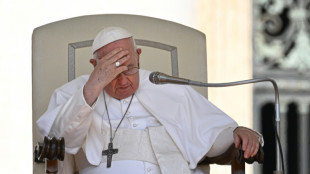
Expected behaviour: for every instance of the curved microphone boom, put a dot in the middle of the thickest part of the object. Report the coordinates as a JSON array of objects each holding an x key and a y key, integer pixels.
[{"x": 161, "y": 78}]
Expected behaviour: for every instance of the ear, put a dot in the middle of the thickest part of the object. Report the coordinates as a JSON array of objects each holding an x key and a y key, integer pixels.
[
  {"x": 93, "y": 62},
  {"x": 139, "y": 51}
]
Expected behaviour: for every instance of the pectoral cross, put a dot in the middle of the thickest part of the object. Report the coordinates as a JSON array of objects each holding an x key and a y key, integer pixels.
[{"x": 109, "y": 152}]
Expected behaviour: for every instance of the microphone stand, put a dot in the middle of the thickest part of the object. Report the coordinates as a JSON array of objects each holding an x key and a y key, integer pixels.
[
  {"x": 277, "y": 108},
  {"x": 160, "y": 78}
]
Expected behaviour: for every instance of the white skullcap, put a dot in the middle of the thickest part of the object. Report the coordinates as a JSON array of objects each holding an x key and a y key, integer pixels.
[{"x": 108, "y": 35}]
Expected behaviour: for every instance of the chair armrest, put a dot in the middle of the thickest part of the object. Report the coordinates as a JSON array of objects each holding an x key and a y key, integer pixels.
[
  {"x": 50, "y": 151},
  {"x": 233, "y": 153}
]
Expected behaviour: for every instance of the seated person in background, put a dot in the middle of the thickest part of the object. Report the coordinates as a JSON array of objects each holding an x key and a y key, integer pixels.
[{"x": 116, "y": 121}]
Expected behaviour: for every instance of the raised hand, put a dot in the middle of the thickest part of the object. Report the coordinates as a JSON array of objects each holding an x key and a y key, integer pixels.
[{"x": 105, "y": 70}]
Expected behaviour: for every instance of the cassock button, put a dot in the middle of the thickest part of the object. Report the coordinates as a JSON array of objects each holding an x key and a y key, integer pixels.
[
  {"x": 135, "y": 125},
  {"x": 149, "y": 169}
]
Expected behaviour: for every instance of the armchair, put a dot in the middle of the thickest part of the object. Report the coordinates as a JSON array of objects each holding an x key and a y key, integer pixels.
[{"x": 65, "y": 46}]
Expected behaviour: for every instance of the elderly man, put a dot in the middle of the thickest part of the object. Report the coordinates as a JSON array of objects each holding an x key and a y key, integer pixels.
[{"x": 116, "y": 121}]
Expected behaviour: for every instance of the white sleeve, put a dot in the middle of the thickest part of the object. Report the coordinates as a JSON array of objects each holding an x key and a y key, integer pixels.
[
  {"x": 70, "y": 119},
  {"x": 222, "y": 142}
]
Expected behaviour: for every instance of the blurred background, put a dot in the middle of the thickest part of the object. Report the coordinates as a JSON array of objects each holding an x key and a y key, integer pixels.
[{"x": 245, "y": 39}]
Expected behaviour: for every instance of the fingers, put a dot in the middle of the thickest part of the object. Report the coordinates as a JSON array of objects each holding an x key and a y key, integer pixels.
[
  {"x": 251, "y": 149},
  {"x": 237, "y": 140},
  {"x": 108, "y": 62},
  {"x": 121, "y": 60},
  {"x": 246, "y": 147},
  {"x": 255, "y": 149},
  {"x": 111, "y": 54},
  {"x": 119, "y": 70},
  {"x": 105, "y": 68},
  {"x": 249, "y": 139},
  {"x": 114, "y": 56}
]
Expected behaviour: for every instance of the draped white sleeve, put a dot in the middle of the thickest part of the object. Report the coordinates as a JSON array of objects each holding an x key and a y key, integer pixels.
[{"x": 68, "y": 115}]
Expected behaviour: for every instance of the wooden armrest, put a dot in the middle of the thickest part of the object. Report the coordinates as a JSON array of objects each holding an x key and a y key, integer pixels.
[
  {"x": 235, "y": 157},
  {"x": 50, "y": 151},
  {"x": 234, "y": 154}
]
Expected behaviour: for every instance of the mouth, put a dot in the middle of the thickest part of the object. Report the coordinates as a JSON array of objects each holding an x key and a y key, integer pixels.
[{"x": 124, "y": 87}]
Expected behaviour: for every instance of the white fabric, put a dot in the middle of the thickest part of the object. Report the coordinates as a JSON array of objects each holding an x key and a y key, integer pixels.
[
  {"x": 108, "y": 35},
  {"x": 221, "y": 143},
  {"x": 191, "y": 120},
  {"x": 131, "y": 144},
  {"x": 125, "y": 166},
  {"x": 137, "y": 116},
  {"x": 137, "y": 122},
  {"x": 168, "y": 156},
  {"x": 136, "y": 145},
  {"x": 122, "y": 166}
]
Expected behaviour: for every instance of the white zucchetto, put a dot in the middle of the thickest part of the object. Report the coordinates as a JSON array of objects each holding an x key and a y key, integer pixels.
[{"x": 108, "y": 35}]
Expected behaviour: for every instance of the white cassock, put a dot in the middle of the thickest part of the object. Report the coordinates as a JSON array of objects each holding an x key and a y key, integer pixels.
[{"x": 191, "y": 122}]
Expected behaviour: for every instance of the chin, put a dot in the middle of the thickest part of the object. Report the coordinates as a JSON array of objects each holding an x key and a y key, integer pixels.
[{"x": 124, "y": 95}]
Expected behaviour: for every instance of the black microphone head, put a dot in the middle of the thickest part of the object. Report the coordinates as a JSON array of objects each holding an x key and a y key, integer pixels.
[
  {"x": 154, "y": 77},
  {"x": 161, "y": 78}
]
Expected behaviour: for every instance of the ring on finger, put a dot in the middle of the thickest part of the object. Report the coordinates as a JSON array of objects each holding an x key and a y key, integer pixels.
[{"x": 117, "y": 64}]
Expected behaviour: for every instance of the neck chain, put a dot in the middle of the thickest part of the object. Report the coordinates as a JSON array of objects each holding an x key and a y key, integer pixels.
[{"x": 110, "y": 151}]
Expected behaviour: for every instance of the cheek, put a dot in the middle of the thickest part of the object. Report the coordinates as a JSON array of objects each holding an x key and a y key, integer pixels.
[
  {"x": 110, "y": 87},
  {"x": 135, "y": 82}
]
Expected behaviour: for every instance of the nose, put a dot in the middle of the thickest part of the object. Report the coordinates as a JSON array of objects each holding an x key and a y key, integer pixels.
[{"x": 122, "y": 79}]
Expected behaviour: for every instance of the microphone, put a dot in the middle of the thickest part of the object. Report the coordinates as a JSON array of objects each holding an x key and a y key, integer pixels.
[{"x": 161, "y": 78}]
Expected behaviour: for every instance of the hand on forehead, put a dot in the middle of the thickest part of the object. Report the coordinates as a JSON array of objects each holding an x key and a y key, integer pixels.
[{"x": 115, "y": 53}]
